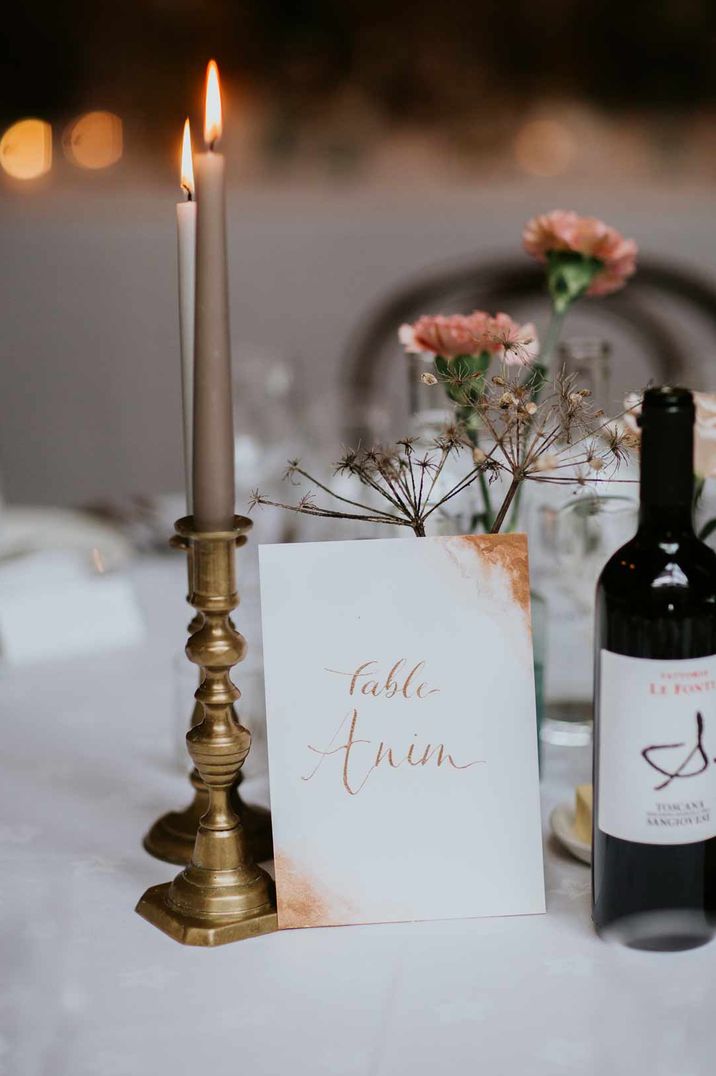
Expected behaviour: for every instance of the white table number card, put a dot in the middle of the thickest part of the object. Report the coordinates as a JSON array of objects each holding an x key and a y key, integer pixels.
[{"x": 401, "y": 730}]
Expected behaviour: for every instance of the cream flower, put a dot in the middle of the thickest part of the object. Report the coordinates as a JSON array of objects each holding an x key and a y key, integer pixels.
[
  {"x": 704, "y": 429},
  {"x": 705, "y": 435},
  {"x": 632, "y": 411}
]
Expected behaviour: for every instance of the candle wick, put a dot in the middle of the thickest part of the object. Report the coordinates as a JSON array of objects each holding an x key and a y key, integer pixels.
[
  {"x": 187, "y": 192},
  {"x": 212, "y": 145}
]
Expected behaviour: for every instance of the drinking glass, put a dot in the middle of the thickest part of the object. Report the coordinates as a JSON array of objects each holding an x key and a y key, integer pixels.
[{"x": 587, "y": 531}]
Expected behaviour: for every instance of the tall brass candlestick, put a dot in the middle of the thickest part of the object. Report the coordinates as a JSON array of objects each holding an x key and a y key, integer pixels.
[
  {"x": 222, "y": 896},
  {"x": 173, "y": 835},
  {"x": 213, "y": 441}
]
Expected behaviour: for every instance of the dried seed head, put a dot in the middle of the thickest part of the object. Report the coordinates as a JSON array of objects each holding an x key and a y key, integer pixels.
[
  {"x": 596, "y": 464},
  {"x": 478, "y": 456},
  {"x": 530, "y": 408},
  {"x": 575, "y": 398},
  {"x": 585, "y": 392},
  {"x": 546, "y": 463},
  {"x": 506, "y": 399},
  {"x": 499, "y": 381},
  {"x": 428, "y": 379}
]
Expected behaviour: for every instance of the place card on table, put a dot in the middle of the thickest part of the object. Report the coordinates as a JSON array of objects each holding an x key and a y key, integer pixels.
[
  {"x": 54, "y": 607},
  {"x": 401, "y": 729}
]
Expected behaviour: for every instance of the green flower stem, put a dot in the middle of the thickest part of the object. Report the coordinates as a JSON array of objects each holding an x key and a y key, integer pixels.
[
  {"x": 487, "y": 514},
  {"x": 467, "y": 417},
  {"x": 554, "y": 331}
]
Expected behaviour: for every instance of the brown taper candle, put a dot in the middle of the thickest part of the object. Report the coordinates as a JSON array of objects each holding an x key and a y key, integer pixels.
[{"x": 213, "y": 441}]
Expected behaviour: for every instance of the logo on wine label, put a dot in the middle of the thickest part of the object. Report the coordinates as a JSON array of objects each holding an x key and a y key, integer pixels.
[
  {"x": 656, "y": 772},
  {"x": 685, "y": 769}
]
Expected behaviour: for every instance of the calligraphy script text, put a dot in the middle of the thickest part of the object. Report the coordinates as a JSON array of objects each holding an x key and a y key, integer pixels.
[{"x": 361, "y": 757}]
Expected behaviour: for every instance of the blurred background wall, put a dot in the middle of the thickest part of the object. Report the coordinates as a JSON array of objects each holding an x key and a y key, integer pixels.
[{"x": 369, "y": 144}]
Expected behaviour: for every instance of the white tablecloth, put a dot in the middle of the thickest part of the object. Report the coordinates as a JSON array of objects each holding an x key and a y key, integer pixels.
[{"x": 87, "y": 763}]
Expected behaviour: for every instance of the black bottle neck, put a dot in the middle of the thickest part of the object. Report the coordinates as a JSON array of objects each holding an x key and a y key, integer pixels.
[
  {"x": 665, "y": 523},
  {"x": 667, "y": 472}
]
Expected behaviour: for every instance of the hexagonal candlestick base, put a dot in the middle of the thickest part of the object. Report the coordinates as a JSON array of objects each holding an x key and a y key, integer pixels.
[{"x": 193, "y": 931}]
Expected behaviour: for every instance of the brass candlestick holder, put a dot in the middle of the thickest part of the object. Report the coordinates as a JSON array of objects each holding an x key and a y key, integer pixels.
[
  {"x": 221, "y": 896},
  {"x": 172, "y": 836}
]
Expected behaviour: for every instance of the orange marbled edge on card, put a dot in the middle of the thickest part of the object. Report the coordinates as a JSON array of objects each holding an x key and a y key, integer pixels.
[
  {"x": 301, "y": 900},
  {"x": 509, "y": 552}
]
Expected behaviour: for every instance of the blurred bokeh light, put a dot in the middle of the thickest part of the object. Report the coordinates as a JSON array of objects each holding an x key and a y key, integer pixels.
[
  {"x": 26, "y": 149},
  {"x": 544, "y": 148},
  {"x": 94, "y": 140}
]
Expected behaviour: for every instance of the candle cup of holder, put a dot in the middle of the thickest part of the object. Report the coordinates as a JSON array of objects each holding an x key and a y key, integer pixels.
[
  {"x": 172, "y": 836},
  {"x": 221, "y": 896}
]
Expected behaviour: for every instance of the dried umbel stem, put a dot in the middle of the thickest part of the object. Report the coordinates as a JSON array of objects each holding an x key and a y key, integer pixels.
[
  {"x": 545, "y": 433},
  {"x": 549, "y": 433},
  {"x": 401, "y": 482}
]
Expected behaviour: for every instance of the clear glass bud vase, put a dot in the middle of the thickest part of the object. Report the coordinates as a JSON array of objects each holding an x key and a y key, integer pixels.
[{"x": 589, "y": 359}]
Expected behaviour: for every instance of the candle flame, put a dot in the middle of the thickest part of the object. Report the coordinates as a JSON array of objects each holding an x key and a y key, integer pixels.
[
  {"x": 212, "y": 115},
  {"x": 187, "y": 163}
]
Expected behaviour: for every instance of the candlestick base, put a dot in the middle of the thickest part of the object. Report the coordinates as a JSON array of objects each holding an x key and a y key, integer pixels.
[
  {"x": 157, "y": 910},
  {"x": 221, "y": 896},
  {"x": 172, "y": 836}
]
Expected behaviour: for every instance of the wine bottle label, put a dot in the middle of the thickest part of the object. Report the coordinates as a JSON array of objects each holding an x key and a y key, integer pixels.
[{"x": 656, "y": 779}]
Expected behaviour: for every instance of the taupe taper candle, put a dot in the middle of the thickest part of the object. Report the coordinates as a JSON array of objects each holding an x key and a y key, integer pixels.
[
  {"x": 213, "y": 447},
  {"x": 186, "y": 257}
]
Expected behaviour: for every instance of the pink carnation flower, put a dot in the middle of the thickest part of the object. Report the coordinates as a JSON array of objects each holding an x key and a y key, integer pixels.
[
  {"x": 565, "y": 230},
  {"x": 446, "y": 336},
  {"x": 471, "y": 334}
]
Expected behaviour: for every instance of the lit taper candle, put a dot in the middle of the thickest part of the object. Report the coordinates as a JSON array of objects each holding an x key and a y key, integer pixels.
[
  {"x": 186, "y": 260},
  {"x": 213, "y": 442}
]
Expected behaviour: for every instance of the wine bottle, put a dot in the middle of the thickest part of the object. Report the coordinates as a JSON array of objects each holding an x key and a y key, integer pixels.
[{"x": 654, "y": 840}]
